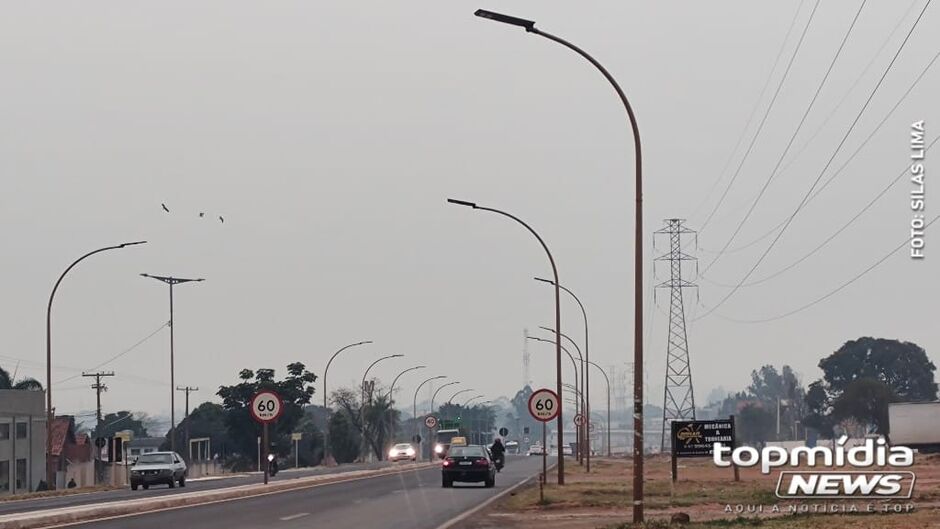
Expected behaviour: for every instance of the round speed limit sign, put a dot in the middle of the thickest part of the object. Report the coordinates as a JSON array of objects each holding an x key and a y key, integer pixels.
[
  {"x": 544, "y": 405},
  {"x": 430, "y": 421},
  {"x": 266, "y": 406}
]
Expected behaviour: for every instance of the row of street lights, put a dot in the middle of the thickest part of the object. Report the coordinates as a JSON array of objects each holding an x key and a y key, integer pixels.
[{"x": 529, "y": 27}]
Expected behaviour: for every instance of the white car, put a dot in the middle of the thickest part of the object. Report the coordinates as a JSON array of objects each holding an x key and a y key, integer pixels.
[
  {"x": 402, "y": 451},
  {"x": 536, "y": 450},
  {"x": 158, "y": 468}
]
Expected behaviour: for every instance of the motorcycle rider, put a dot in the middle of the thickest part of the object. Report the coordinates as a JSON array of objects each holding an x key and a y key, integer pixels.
[{"x": 498, "y": 451}]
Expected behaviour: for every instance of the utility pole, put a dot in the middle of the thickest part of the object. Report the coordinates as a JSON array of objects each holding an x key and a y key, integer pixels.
[
  {"x": 678, "y": 397},
  {"x": 98, "y": 387},
  {"x": 187, "y": 390},
  {"x": 172, "y": 281}
]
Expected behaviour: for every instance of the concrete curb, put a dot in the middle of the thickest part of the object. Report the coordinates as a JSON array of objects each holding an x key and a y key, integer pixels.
[
  {"x": 468, "y": 513},
  {"x": 86, "y": 513}
]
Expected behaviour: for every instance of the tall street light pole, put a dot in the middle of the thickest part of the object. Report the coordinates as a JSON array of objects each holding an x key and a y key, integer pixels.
[
  {"x": 414, "y": 403},
  {"x": 172, "y": 281},
  {"x": 391, "y": 397},
  {"x": 551, "y": 260},
  {"x": 362, "y": 386},
  {"x": 584, "y": 447},
  {"x": 587, "y": 358},
  {"x": 326, "y": 437},
  {"x": 50, "y": 415},
  {"x": 638, "y": 255},
  {"x": 606, "y": 379}
]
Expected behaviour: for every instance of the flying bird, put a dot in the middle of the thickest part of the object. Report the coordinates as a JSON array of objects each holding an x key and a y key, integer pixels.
[
  {"x": 221, "y": 219},
  {"x": 162, "y": 205}
]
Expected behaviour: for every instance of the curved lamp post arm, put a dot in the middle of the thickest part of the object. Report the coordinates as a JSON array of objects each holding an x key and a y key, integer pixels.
[
  {"x": 392, "y": 387},
  {"x": 414, "y": 404},
  {"x": 364, "y": 375},
  {"x": 50, "y": 471},
  {"x": 451, "y": 399},
  {"x": 574, "y": 363},
  {"x": 438, "y": 390},
  {"x": 325, "y": 370},
  {"x": 471, "y": 399}
]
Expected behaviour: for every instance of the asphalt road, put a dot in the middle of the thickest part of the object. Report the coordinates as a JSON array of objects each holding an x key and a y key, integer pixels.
[
  {"x": 10, "y": 507},
  {"x": 413, "y": 499}
]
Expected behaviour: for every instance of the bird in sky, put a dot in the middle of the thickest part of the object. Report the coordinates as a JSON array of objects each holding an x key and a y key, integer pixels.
[
  {"x": 164, "y": 207},
  {"x": 221, "y": 219}
]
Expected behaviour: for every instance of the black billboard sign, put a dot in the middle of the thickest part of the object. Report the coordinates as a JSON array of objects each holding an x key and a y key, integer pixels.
[{"x": 698, "y": 438}]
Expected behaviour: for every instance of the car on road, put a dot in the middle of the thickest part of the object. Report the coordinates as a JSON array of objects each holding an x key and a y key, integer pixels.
[
  {"x": 512, "y": 447},
  {"x": 158, "y": 468},
  {"x": 536, "y": 450},
  {"x": 470, "y": 464},
  {"x": 402, "y": 451},
  {"x": 567, "y": 450}
]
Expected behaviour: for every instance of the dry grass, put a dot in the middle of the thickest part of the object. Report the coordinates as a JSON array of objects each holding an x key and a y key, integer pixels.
[{"x": 603, "y": 499}]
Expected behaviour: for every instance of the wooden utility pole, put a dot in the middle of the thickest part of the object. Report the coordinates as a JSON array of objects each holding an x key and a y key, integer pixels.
[
  {"x": 98, "y": 387},
  {"x": 187, "y": 390}
]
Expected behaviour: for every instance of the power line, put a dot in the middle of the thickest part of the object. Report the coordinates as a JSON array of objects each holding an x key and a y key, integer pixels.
[
  {"x": 122, "y": 353},
  {"x": 819, "y": 177},
  {"x": 750, "y": 119},
  {"x": 850, "y": 157},
  {"x": 796, "y": 132},
  {"x": 763, "y": 120},
  {"x": 837, "y": 289},
  {"x": 831, "y": 178}
]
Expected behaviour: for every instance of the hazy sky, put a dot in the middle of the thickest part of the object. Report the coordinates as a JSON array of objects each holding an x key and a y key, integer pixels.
[{"x": 328, "y": 134}]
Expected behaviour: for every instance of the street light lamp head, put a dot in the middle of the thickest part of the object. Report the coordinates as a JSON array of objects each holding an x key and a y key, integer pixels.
[
  {"x": 132, "y": 244},
  {"x": 462, "y": 203},
  {"x": 549, "y": 281},
  {"x": 529, "y": 25}
]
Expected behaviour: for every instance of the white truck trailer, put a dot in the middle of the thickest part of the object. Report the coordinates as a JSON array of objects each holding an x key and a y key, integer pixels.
[{"x": 915, "y": 425}]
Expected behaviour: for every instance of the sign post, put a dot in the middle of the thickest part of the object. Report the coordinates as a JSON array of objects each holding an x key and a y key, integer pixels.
[
  {"x": 698, "y": 438},
  {"x": 544, "y": 406},
  {"x": 265, "y": 407}
]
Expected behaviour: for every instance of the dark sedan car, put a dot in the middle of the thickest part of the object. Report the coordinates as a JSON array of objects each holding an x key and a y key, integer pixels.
[{"x": 469, "y": 463}]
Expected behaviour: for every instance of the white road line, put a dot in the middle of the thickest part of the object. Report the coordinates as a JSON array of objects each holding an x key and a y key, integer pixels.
[{"x": 294, "y": 516}]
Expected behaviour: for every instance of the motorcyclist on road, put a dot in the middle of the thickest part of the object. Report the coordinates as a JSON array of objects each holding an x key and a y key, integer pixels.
[{"x": 498, "y": 451}]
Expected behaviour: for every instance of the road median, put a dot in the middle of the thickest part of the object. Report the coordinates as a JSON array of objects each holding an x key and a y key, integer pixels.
[{"x": 85, "y": 513}]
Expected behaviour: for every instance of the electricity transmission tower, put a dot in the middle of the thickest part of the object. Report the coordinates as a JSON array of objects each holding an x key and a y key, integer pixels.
[{"x": 678, "y": 398}]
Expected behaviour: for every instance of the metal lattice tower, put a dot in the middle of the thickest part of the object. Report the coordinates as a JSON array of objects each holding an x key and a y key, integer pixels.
[{"x": 678, "y": 398}]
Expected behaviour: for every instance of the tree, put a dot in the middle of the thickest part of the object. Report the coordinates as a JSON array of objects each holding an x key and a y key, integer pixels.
[
  {"x": 865, "y": 400},
  {"x": 206, "y": 420},
  {"x": 27, "y": 383},
  {"x": 112, "y": 423},
  {"x": 818, "y": 409},
  {"x": 374, "y": 419},
  {"x": 344, "y": 439},
  {"x": 902, "y": 366},
  {"x": 754, "y": 424},
  {"x": 295, "y": 390}
]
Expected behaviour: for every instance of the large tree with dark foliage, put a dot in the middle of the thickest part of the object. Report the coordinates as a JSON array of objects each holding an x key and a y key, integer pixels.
[
  {"x": 206, "y": 420},
  {"x": 27, "y": 383},
  {"x": 863, "y": 377},
  {"x": 295, "y": 390},
  {"x": 902, "y": 366}
]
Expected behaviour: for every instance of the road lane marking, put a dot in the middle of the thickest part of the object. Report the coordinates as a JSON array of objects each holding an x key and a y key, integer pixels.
[
  {"x": 294, "y": 516},
  {"x": 416, "y": 470}
]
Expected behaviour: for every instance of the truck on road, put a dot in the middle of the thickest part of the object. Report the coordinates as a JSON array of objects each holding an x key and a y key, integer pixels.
[{"x": 915, "y": 425}]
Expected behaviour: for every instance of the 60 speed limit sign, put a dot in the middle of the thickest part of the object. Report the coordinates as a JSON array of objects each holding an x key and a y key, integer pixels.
[
  {"x": 544, "y": 405},
  {"x": 266, "y": 406}
]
